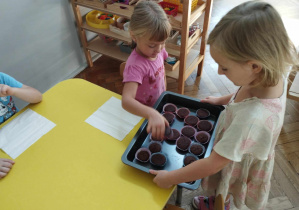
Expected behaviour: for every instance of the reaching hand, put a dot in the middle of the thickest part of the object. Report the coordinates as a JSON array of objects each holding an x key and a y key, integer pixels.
[
  {"x": 212, "y": 100},
  {"x": 156, "y": 125},
  {"x": 5, "y": 90},
  {"x": 5, "y": 166},
  {"x": 161, "y": 178}
]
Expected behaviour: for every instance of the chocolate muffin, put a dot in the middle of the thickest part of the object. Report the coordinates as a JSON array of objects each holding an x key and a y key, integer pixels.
[
  {"x": 204, "y": 125},
  {"x": 188, "y": 131},
  {"x": 191, "y": 120},
  {"x": 168, "y": 132},
  {"x": 143, "y": 155},
  {"x": 189, "y": 159},
  {"x": 155, "y": 146},
  {"x": 202, "y": 137},
  {"x": 196, "y": 149},
  {"x": 175, "y": 135},
  {"x": 183, "y": 143},
  {"x": 169, "y": 117},
  {"x": 154, "y": 139},
  {"x": 158, "y": 159},
  {"x": 202, "y": 113},
  {"x": 169, "y": 108},
  {"x": 182, "y": 112}
]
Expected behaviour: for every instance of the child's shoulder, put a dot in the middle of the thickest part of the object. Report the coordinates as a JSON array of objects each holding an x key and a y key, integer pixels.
[
  {"x": 9, "y": 80},
  {"x": 4, "y": 77}
]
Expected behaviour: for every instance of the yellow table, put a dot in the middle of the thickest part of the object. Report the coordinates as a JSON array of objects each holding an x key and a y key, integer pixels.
[{"x": 76, "y": 166}]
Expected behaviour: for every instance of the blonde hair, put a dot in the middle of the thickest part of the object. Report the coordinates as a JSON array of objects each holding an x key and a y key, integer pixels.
[
  {"x": 255, "y": 31},
  {"x": 149, "y": 19}
]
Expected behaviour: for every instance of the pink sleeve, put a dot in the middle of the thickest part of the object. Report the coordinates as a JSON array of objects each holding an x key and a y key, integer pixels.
[
  {"x": 165, "y": 54},
  {"x": 133, "y": 74}
]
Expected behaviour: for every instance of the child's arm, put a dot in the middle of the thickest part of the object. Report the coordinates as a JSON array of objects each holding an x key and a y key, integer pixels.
[
  {"x": 223, "y": 100},
  {"x": 196, "y": 170},
  {"x": 5, "y": 166},
  {"x": 156, "y": 122},
  {"x": 26, "y": 93}
]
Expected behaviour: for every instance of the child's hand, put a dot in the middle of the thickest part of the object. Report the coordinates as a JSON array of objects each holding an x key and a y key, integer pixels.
[
  {"x": 161, "y": 178},
  {"x": 5, "y": 90},
  {"x": 212, "y": 100},
  {"x": 156, "y": 125},
  {"x": 5, "y": 166}
]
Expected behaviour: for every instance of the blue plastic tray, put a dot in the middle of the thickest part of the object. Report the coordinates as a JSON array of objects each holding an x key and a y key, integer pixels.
[{"x": 174, "y": 156}]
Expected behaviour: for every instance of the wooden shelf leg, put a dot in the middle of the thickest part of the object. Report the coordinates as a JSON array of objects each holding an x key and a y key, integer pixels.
[
  {"x": 81, "y": 33},
  {"x": 206, "y": 23}
]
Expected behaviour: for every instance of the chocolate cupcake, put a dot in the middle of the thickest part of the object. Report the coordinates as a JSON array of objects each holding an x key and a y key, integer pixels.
[
  {"x": 154, "y": 139},
  {"x": 168, "y": 132},
  {"x": 202, "y": 137},
  {"x": 183, "y": 143},
  {"x": 203, "y": 113},
  {"x": 155, "y": 146},
  {"x": 204, "y": 125},
  {"x": 169, "y": 117},
  {"x": 158, "y": 159},
  {"x": 196, "y": 149},
  {"x": 175, "y": 135},
  {"x": 189, "y": 158},
  {"x": 169, "y": 107},
  {"x": 183, "y": 112},
  {"x": 191, "y": 120},
  {"x": 188, "y": 131},
  {"x": 143, "y": 155}
]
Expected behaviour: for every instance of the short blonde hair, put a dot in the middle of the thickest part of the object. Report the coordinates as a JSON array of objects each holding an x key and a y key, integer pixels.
[
  {"x": 255, "y": 31},
  {"x": 149, "y": 19}
]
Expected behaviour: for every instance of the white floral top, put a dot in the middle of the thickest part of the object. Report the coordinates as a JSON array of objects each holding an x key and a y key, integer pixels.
[{"x": 246, "y": 134}]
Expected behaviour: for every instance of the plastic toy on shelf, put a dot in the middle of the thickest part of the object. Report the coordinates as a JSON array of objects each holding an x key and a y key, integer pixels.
[
  {"x": 170, "y": 9},
  {"x": 98, "y": 19},
  {"x": 180, "y": 5}
]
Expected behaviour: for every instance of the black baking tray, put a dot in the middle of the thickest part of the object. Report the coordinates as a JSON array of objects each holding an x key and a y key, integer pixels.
[{"x": 174, "y": 156}]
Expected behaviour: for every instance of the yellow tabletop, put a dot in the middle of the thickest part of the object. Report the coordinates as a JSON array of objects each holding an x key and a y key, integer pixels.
[{"x": 76, "y": 166}]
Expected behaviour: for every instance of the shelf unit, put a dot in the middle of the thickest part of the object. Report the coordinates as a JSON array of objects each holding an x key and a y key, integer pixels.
[{"x": 189, "y": 55}]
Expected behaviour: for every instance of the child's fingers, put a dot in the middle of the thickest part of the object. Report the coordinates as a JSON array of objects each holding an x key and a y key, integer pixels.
[
  {"x": 2, "y": 174},
  {"x": 5, "y": 169},
  {"x": 4, "y": 89},
  {"x": 154, "y": 172},
  {"x": 205, "y": 100},
  {"x": 7, "y": 164},
  {"x": 7, "y": 160},
  {"x": 148, "y": 129},
  {"x": 166, "y": 122}
]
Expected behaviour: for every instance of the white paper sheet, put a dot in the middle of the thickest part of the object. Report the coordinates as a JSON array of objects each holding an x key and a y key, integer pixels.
[
  {"x": 112, "y": 119},
  {"x": 20, "y": 133}
]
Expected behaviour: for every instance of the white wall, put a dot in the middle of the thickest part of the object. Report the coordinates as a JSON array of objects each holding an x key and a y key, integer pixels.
[{"x": 39, "y": 43}]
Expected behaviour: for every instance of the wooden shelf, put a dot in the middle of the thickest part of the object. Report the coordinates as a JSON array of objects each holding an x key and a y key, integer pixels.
[
  {"x": 176, "y": 21},
  {"x": 188, "y": 56},
  {"x": 110, "y": 49},
  {"x": 192, "y": 61},
  {"x": 173, "y": 49},
  {"x": 105, "y": 32},
  {"x": 103, "y": 9}
]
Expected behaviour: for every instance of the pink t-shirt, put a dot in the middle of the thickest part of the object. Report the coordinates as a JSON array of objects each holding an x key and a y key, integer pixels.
[{"x": 148, "y": 74}]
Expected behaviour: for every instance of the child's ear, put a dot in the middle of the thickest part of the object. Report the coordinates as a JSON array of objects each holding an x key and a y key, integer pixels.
[
  {"x": 132, "y": 36},
  {"x": 255, "y": 66}
]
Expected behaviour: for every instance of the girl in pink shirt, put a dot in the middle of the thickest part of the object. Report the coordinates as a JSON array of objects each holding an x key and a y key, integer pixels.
[{"x": 144, "y": 74}]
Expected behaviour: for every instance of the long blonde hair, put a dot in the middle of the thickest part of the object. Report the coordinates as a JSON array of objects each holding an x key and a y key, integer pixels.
[
  {"x": 255, "y": 31},
  {"x": 149, "y": 19}
]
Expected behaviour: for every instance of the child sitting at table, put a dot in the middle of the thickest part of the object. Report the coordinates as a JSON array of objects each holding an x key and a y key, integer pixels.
[
  {"x": 144, "y": 73},
  {"x": 252, "y": 49},
  {"x": 11, "y": 87}
]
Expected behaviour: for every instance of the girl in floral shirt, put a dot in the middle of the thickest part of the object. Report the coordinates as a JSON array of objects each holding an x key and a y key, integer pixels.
[{"x": 253, "y": 50}]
